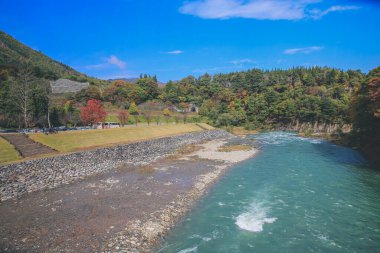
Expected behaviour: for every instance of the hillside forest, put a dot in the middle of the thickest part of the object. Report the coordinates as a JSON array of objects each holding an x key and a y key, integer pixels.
[{"x": 255, "y": 99}]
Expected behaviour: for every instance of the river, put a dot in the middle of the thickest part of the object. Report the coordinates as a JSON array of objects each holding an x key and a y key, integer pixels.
[{"x": 296, "y": 195}]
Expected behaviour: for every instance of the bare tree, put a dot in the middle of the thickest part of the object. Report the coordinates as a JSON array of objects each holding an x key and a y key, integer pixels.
[
  {"x": 147, "y": 110},
  {"x": 148, "y": 114},
  {"x": 123, "y": 117},
  {"x": 22, "y": 89},
  {"x": 47, "y": 90}
]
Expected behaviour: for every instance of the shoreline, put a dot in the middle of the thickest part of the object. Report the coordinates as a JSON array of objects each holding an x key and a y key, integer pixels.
[
  {"x": 127, "y": 206},
  {"x": 148, "y": 235},
  {"x": 37, "y": 174}
]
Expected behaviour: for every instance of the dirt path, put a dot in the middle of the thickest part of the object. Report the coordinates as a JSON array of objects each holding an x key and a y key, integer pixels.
[{"x": 26, "y": 146}]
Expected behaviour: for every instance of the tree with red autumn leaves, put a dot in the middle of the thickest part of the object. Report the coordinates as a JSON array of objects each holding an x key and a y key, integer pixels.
[{"x": 93, "y": 112}]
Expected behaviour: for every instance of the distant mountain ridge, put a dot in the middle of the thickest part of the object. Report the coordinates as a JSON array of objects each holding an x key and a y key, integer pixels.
[
  {"x": 129, "y": 80},
  {"x": 14, "y": 54}
]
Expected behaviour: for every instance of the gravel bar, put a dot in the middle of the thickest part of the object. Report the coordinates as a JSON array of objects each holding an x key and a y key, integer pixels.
[{"x": 47, "y": 173}]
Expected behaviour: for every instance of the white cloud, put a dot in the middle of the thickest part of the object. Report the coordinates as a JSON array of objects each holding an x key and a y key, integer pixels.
[
  {"x": 257, "y": 9},
  {"x": 242, "y": 61},
  {"x": 113, "y": 60},
  {"x": 316, "y": 13},
  {"x": 174, "y": 52},
  {"x": 302, "y": 50},
  {"x": 108, "y": 62}
]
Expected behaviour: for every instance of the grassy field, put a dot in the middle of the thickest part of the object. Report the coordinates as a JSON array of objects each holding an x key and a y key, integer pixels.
[
  {"x": 81, "y": 140},
  {"x": 7, "y": 152}
]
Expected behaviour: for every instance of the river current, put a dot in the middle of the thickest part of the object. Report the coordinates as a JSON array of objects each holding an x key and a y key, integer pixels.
[{"x": 296, "y": 195}]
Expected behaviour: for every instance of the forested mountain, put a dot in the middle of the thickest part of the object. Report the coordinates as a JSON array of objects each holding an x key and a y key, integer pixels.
[
  {"x": 14, "y": 54},
  {"x": 254, "y": 98},
  {"x": 268, "y": 98},
  {"x": 24, "y": 83}
]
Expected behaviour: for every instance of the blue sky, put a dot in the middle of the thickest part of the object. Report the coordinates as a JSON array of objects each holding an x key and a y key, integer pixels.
[{"x": 176, "y": 38}]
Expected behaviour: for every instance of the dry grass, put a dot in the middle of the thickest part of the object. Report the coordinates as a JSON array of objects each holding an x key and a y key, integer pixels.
[
  {"x": 7, "y": 152},
  {"x": 232, "y": 148},
  {"x": 188, "y": 149},
  {"x": 242, "y": 131},
  {"x": 87, "y": 139}
]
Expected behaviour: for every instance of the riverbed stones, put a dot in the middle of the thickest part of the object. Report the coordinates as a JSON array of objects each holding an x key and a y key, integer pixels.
[{"x": 26, "y": 177}]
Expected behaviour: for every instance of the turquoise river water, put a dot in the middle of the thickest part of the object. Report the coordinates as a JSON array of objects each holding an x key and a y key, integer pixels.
[{"x": 296, "y": 195}]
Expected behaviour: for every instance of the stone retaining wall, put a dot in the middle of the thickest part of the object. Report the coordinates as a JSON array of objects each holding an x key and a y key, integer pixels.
[
  {"x": 316, "y": 127},
  {"x": 20, "y": 178}
]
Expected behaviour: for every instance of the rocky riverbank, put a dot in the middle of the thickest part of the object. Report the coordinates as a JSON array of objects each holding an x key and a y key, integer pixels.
[
  {"x": 128, "y": 207},
  {"x": 315, "y": 128},
  {"x": 143, "y": 235},
  {"x": 18, "y": 179}
]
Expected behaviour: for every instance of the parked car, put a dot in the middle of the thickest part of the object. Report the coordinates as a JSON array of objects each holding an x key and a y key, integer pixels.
[
  {"x": 84, "y": 128},
  {"x": 62, "y": 128},
  {"x": 26, "y": 130}
]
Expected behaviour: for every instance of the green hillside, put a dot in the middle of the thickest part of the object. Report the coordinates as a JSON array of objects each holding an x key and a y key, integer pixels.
[
  {"x": 25, "y": 76},
  {"x": 15, "y": 55}
]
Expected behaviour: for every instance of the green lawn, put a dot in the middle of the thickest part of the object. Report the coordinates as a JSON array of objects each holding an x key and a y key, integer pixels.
[
  {"x": 7, "y": 152},
  {"x": 80, "y": 140}
]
